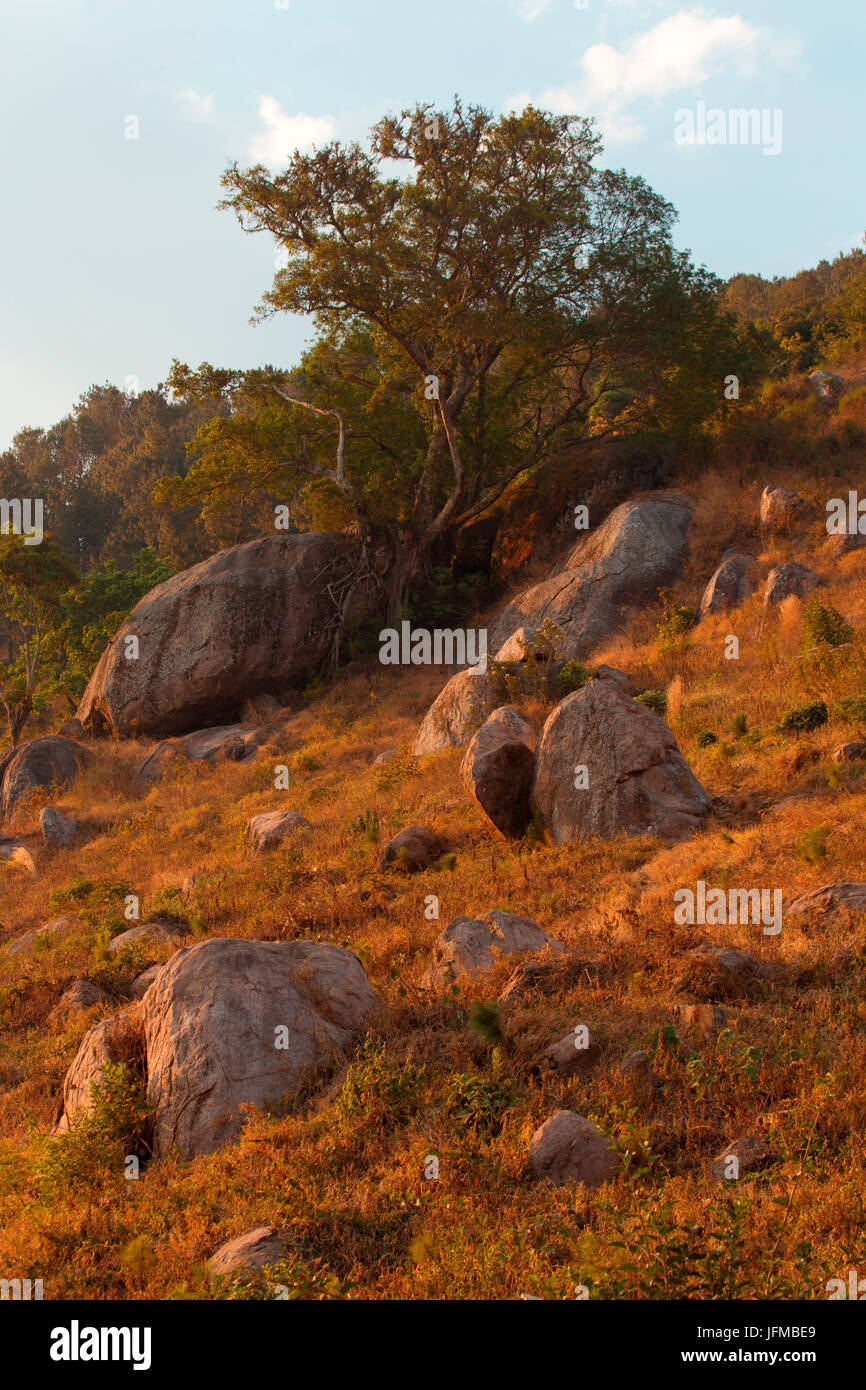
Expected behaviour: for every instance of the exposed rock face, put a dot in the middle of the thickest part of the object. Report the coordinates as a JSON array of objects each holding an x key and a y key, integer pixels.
[
  {"x": 731, "y": 584},
  {"x": 843, "y": 545},
  {"x": 111, "y": 1040},
  {"x": 271, "y": 828},
  {"x": 854, "y": 752},
  {"x": 43, "y": 762},
  {"x": 246, "y": 622},
  {"x": 779, "y": 507},
  {"x": 523, "y": 644},
  {"x": 497, "y": 770},
  {"x": 58, "y": 831},
  {"x": 637, "y": 780},
  {"x": 569, "y": 1149},
  {"x": 832, "y": 902},
  {"x": 455, "y": 714},
  {"x": 142, "y": 983},
  {"x": 610, "y": 673},
  {"x": 788, "y": 579},
  {"x": 228, "y": 743},
  {"x": 415, "y": 848},
  {"x": 470, "y": 947},
  {"x": 638, "y": 548},
  {"x": 746, "y": 1155},
  {"x": 828, "y": 385},
  {"x": 230, "y": 1023},
  {"x": 571, "y": 1052},
  {"x": 252, "y": 1250}
]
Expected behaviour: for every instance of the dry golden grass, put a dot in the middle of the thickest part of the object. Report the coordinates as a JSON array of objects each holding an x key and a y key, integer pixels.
[{"x": 347, "y": 1184}]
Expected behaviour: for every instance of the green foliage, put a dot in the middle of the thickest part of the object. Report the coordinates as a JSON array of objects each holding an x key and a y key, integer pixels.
[
  {"x": 803, "y": 718},
  {"x": 812, "y": 846},
  {"x": 378, "y": 1090},
  {"x": 366, "y": 824},
  {"x": 573, "y": 677},
  {"x": 674, "y": 624},
  {"x": 654, "y": 700},
  {"x": 739, "y": 725},
  {"x": 290, "y": 1280},
  {"x": 851, "y": 710},
  {"x": 99, "y": 1139},
  {"x": 706, "y": 738},
  {"x": 478, "y": 1104},
  {"x": 824, "y": 625},
  {"x": 484, "y": 1022}
]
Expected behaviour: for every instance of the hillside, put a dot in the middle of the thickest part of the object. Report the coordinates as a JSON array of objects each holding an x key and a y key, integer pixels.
[{"x": 340, "y": 1168}]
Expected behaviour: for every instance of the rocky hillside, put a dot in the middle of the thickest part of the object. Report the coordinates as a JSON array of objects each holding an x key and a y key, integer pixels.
[{"x": 544, "y": 979}]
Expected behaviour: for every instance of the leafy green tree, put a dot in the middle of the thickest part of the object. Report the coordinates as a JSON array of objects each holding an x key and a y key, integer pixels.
[
  {"x": 497, "y": 300},
  {"x": 32, "y": 578}
]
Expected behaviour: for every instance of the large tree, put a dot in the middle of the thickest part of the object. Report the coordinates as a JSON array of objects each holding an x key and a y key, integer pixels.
[{"x": 485, "y": 295}]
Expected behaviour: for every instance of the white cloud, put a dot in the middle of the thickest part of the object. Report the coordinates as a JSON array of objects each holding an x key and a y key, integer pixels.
[
  {"x": 678, "y": 53},
  {"x": 195, "y": 106},
  {"x": 281, "y": 134}
]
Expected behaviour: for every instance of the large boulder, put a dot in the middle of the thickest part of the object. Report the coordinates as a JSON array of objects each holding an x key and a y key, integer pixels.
[
  {"x": 231, "y": 1023},
  {"x": 637, "y": 781},
  {"x": 636, "y": 550},
  {"x": 50, "y": 762},
  {"x": 497, "y": 770},
  {"x": 731, "y": 584},
  {"x": 58, "y": 830},
  {"x": 790, "y": 578},
  {"x": 469, "y": 946},
  {"x": 246, "y": 622},
  {"x": 272, "y": 828},
  {"x": 455, "y": 714},
  {"x": 253, "y": 1250}
]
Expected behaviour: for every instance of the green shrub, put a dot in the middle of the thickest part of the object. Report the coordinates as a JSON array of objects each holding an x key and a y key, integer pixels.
[
  {"x": 478, "y": 1104},
  {"x": 812, "y": 846},
  {"x": 824, "y": 625},
  {"x": 116, "y": 1127},
  {"x": 379, "y": 1090},
  {"x": 367, "y": 824},
  {"x": 573, "y": 677},
  {"x": 674, "y": 623},
  {"x": 654, "y": 700},
  {"x": 803, "y": 718},
  {"x": 705, "y": 739},
  {"x": 739, "y": 725},
  {"x": 851, "y": 710}
]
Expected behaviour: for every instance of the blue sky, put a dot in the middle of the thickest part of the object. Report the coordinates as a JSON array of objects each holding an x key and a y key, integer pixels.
[{"x": 115, "y": 260}]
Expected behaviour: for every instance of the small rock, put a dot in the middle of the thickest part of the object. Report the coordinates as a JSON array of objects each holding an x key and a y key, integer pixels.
[
  {"x": 58, "y": 830},
  {"x": 730, "y": 586},
  {"x": 849, "y": 753},
  {"x": 56, "y": 928},
  {"x": 637, "y": 1068},
  {"x": 779, "y": 507},
  {"x": 387, "y": 757},
  {"x": 497, "y": 770},
  {"x": 742, "y": 1156},
  {"x": 142, "y": 983},
  {"x": 150, "y": 934},
  {"x": 252, "y": 1250},
  {"x": 832, "y": 902},
  {"x": 470, "y": 947},
  {"x": 412, "y": 850},
  {"x": 80, "y": 995},
  {"x": 843, "y": 545},
  {"x": 706, "y": 1019},
  {"x": 273, "y": 827},
  {"x": 114, "y": 1039},
  {"x": 571, "y": 1052},
  {"x": 524, "y": 644},
  {"x": 567, "y": 1148},
  {"x": 788, "y": 579},
  {"x": 720, "y": 970}
]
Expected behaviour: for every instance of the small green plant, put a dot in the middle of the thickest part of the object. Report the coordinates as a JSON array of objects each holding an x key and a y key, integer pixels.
[
  {"x": 851, "y": 710},
  {"x": 812, "y": 846},
  {"x": 739, "y": 725},
  {"x": 367, "y": 825},
  {"x": 448, "y": 861},
  {"x": 803, "y": 718},
  {"x": 674, "y": 623},
  {"x": 573, "y": 677},
  {"x": 705, "y": 738},
  {"x": 484, "y": 1023},
  {"x": 654, "y": 700},
  {"x": 381, "y": 1091},
  {"x": 115, "y": 1127},
  {"x": 305, "y": 762},
  {"x": 478, "y": 1104},
  {"x": 824, "y": 625}
]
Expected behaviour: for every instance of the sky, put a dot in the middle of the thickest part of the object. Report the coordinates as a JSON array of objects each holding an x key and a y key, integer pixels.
[{"x": 118, "y": 117}]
